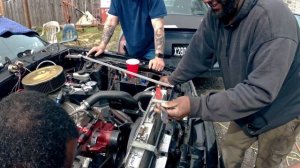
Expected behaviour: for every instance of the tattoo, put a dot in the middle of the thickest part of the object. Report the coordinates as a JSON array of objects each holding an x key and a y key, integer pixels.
[
  {"x": 159, "y": 37},
  {"x": 108, "y": 31}
]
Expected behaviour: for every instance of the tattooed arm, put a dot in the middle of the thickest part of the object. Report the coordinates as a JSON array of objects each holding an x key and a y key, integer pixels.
[
  {"x": 108, "y": 30},
  {"x": 159, "y": 35},
  {"x": 159, "y": 40}
]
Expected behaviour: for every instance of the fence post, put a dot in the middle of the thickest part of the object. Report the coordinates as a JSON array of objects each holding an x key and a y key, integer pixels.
[
  {"x": 1, "y": 8},
  {"x": 27, "y": 14}
]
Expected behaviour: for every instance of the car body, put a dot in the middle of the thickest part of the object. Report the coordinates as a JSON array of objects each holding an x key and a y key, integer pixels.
[
  {"x": 14, "y": 41},
  {"x": 114, "y": 113},
  {"x": 181, "y": 22},
  {"x": 178, "y": 33}
]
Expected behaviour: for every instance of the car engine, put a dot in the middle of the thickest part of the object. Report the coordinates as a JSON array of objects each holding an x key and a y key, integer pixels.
[{"x": 114, "y": 113}]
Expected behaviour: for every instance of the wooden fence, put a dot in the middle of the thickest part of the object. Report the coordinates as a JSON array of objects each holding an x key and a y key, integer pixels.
[{"x": 36, "y": 12}]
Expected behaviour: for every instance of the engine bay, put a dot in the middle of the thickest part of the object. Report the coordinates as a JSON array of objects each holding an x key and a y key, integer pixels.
[{"x": 114, "y": 112}]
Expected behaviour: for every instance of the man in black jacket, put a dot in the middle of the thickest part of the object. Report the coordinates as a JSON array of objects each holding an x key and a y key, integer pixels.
[{"x": 256, "y": 43}]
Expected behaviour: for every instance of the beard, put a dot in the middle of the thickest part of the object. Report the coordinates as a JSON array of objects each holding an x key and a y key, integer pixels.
[{"x": 229, "y": 9}]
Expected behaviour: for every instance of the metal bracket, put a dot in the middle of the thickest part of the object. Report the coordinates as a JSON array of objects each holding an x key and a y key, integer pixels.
[{"x": 145, "y": 146}]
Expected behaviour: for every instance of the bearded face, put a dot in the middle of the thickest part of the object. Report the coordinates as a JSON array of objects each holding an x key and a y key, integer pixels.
[
  {"x": 229, "y": 8},
  {"x": 224, "y": 9}
]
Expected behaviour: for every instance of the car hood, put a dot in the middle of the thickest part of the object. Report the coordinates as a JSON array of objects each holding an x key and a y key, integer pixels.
[
  {"x": 183, "y": 21},
  {"x": 11, "y": 27}
]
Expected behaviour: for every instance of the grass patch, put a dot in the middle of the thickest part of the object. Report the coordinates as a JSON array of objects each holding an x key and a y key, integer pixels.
[{"x": 89, "y": 37}]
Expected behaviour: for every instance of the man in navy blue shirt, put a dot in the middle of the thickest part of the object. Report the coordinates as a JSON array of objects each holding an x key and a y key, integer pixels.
[{"x": 143, "y": 26}]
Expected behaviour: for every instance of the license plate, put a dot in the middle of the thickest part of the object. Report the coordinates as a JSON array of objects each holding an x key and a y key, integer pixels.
[{"x": 178, "y": 50}]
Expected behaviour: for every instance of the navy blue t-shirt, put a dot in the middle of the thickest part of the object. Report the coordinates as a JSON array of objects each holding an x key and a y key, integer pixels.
[{"x": 135, "y": 19}]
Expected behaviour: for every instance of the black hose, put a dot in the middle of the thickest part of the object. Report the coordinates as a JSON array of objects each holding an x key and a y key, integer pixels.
[
  {"x": 142, "y": 95},
  {"x": 112, "y": 95}
]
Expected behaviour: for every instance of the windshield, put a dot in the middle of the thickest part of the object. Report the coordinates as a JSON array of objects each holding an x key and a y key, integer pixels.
[
  {"x": 298, "y": 18},
  {"x": 12, "y": 45},
  {"x": 186, "y": 7}
]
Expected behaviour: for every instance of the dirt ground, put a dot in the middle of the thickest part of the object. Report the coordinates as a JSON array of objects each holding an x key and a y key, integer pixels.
[{"x": 90, "y": 36}]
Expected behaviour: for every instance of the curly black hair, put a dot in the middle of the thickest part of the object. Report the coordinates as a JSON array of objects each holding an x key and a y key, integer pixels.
[{"x": 33, "y": 131}]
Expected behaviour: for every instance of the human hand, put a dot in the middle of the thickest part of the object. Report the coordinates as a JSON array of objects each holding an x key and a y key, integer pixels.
[
  {"x": 177, "y": 108},
  {"x": 97, "y": 50},
  {"x": 157, "y": 64}
]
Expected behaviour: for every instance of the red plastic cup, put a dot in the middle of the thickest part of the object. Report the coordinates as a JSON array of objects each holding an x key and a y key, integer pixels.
[{"x": 132, "y": 66}]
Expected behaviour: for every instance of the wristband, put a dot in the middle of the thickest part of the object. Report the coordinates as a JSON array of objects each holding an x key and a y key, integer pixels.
[{"x": 159, "y": 55}]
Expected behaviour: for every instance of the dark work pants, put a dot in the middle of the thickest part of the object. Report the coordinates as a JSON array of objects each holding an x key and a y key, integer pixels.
[{"x": 273, "y": 145}]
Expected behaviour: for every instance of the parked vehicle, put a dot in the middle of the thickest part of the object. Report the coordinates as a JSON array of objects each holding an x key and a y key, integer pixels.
[
  {"x": 182, "y": 21},
  {"x": 114, "y": 113}
]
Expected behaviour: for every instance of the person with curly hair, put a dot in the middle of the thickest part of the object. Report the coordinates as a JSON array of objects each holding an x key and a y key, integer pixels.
[{"x": 35, "y": 132}]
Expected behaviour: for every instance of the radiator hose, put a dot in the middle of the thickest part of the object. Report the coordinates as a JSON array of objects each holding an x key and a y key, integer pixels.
[{"x": 125, "y": 97}]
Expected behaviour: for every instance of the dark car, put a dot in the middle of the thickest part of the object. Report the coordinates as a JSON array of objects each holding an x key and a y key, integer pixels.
[
  {"x": 113, "y": 112},
  {"x": 17, "y": 40},
  {"x": 182, "y": 21}
]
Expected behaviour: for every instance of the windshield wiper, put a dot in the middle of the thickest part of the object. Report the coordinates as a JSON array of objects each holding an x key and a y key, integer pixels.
[{"x": 25, "y": 53}]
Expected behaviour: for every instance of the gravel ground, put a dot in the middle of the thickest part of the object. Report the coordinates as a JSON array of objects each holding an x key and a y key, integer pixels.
[{"x": 205, "y": 85}]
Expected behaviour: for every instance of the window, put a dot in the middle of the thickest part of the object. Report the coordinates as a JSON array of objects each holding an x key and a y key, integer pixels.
[
  {"x": 186, "y": 7},
  {"x": 12, "y": 45}
]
